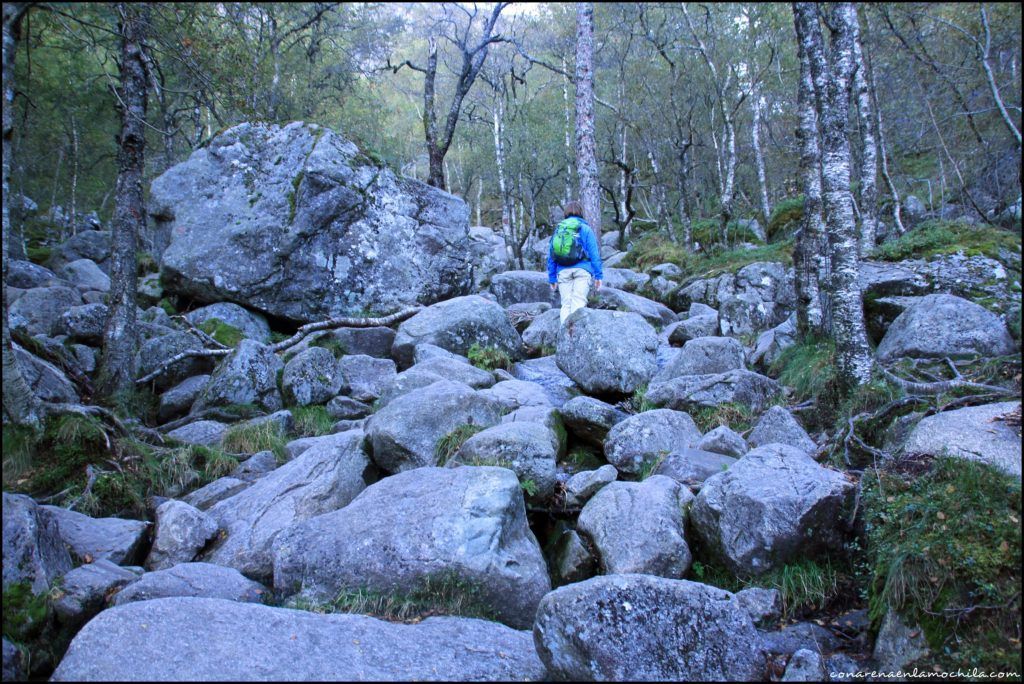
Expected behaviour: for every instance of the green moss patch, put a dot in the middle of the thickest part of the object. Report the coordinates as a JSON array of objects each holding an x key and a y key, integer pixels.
[
  {"x": 935, "y": 237},
  {"x": 711, "y": 261},
  {"x": 226, "y": 334}
]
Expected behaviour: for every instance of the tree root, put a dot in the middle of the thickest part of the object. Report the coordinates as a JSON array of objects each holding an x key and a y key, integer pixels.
[
  {"x": 934, "y": 388},
  {"x": 188, "y": 353}
]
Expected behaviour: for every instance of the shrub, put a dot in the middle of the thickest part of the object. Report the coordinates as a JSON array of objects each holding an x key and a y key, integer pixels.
[
  {"x": 453, "y": 441},
  {"x": 944, "y": 548},
  {"x": 488, "y": 358}
]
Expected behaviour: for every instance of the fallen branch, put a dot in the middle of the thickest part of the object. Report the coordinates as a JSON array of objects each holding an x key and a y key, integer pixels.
[
  {"x": 344, "y": 322},
  {"x": 933, "y": 388},
  {"x": 204, "y": 337},
  {"x": 205, "y": 414},
  {"x": 188, "y": 353}
]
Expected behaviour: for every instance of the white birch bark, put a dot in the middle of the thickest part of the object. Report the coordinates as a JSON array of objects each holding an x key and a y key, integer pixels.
[
  {"x": 868, "y": 190},
  {"x": 755, "y": 139}
]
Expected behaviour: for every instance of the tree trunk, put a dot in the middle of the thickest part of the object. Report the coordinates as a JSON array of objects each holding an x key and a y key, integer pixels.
[
  {"x": 568, "y": 134},
  {"x": 868, "y": 190},
  {"x": 499, "y": 159},
  {"x": 853, "y": 355},
  {"x": 728, "y": 187},
  {"x": 116, "y": 373},
  {"x": 755, "y": 139},
  {"x": 586, "y": 148},
  {"x": 21, "y": 405},
  {"x": 886, "y": 176},
  {"x": 684, "y": 206},
  {"x": 811, "y": 243}
]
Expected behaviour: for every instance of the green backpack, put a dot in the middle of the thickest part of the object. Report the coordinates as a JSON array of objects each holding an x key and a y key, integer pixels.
[{"x": 566, "y": 248}]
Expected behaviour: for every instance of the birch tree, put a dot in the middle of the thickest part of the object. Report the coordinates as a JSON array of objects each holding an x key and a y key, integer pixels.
[
  {"x": 586, "y": 147},
  {"x": 867, "y": 188},
  {"x": 116, "y": 373}
]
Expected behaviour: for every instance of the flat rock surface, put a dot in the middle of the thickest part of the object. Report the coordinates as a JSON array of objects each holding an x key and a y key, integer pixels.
[{"x": 974, "y": 433}]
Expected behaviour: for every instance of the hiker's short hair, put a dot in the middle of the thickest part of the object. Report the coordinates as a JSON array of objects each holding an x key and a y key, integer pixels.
[{"x": 572, "y": 208}]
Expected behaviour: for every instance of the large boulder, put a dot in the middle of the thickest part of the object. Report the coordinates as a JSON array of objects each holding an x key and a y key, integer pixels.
[
  {"x": 248, "y": 375},
  {"x": 204, "y": 639},
  {"x": 543, "y": 330},
  {"x": 204, "y": 580},
  {"x": 86, "y": 275},
  {"x": 251, "y": 325},
  {"x": 84, "y": 244},
  {"x": 772, "y": 506},
  {"x": 456, "y": 325},
  {"x": 434, "y": 370},
  {"x": 590, "y": 419},
  {"x": 86, "y": 323},
  {"x": 640, "y": 527},
  {"x": 644, "y": 628},
  {"x": 311, "y": 377},
  {"x": 653, "y": 312},
  {"x": 466, "y": 526},
  {"x": 527, "y": 449},
  {"x": 324, "y": 478},
  {"x": 38, "y": 310},
  {"x": 757, "y": 297},
  {"x": 365, "y": 377},
  {"x": 545, "y": 372},
  {"x": 691, "y": 467},
  {"x": 943, "y": 325},
  {"x": 624, "y": 278},
  {"x": 490, "y": 255},
  {"x": 181, "y": 531},
  {"x": 159, "y": 350},
  {"x": 26, "y": 275},
  {"x": 986, "y": 434},
  {"x": 115, "y": 539},
  {"x": 607, "y": 352},
  {"x": 404, "y": 433},
  {"x": 642, "y": 439},
  {"x": 704, "y": 356},
  {"x": 295, "y": 222},
  {"x": 46, "y": 380},
  {"x": 688, "y": 392},
  {"x": 513, "y": 287},
  {"x": 33, "y": 550},
  {"x": 778, "y": 425},
  {"x": 177, "y": 401}
]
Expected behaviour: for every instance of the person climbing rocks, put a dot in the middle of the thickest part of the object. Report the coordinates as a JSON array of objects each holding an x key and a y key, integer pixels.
[{"x": 574, "y": 257}]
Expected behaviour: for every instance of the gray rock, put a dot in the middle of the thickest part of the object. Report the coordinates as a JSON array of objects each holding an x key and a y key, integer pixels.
[
  {"x": 764, "y": 606},
  {"x": 625, "y": 279},
  {"x": 805, "y": 666},
  {"x": 85, "y": 323},
  {"x": 760, "y": 296},
  {"x": 643, "y": 628},
  {"x": 913, "y": 208},
  {"x": 581, "y": 486},
  {"x": 216, "y": 491},
  {"x": 572, "y": 560},
  {"x": 346, "y": 425},
  {"x": 543, "y": 330},
  {"x": 324, "y": 478},
  {"x": 723, "y": 440},
  {"x": 296, "y": 447},
  {"x": 311, "y": 377},
  {"x": 204, "y": 580},
  {"x": 38, "y": 310},
  {"x": 590, "y": 419},
  {"x": 545, "y": 372},
  {"x": 694, "y": 327},
  {"x": 345, "y": 234},
  {"x": 248, "y": 375},
  {"x": 945, "y": 326},
  {"x": 250, "y": 324},
  {"x": 189, "y": 639},
  {"x": 202, "y": 432},
  {"x": 158, "y": 350},
  {"x": 46, "y": 380},
  {"x": 692, "y": 466},
  {"x": 653, "y": 312},
  {"x": 778, "y": 425},
  {"x": 115, "y": 539},
  {"x": 177, "y": 401},
  {"x": 771, "y": 343},
  {"x": 456, "y": 325},
  {"x": 704, "y": 356},
  {"x": 149, "y": 291},
  {"x": 256, "y": 466},
  {"x": 85, "y": 357},
  {"x": 33, "y": 549},
  {"x": 86, "y": 275},
  {"x": 541, "y": 415},
  {"x": 802, "y": 635},
  {"x": 365, "y": 377},
  {"x": 886, "y": 279},
  {"x": 527, "y": 449},
  {"x": 663, "y": 286},
  {"x": 975, "y": 433},
  {"x": 26, "y": 275},
  {"x": 646, "y": 437},
  {"x": 514, "y": 394},
  {"x": 639, "y": 527},
  {"x": 898, "y": 645},
  {"x": 375, "y": 341},
  {"x": 737, "y": 386},
  {"x": 773, "y": 505},
  {"x": 426, "y": 351},
  {"x": 13, "y": 663},
  {"x": 607, "y": 351},
  {"x": 668, "y": 270},
  {"x": 469, "y": 523},
  {"x": 84, "y": 590},
  {"x": 405, "y": 432},
  {"x": 513, "y": 287},
  {"x": 85, "y": 244},
  {"x": 347, "y": 408},
  {"x": 181, "y": 531}
]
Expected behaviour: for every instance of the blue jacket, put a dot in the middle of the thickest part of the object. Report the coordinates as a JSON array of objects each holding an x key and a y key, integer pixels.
[{"x": 592, "y": 264}]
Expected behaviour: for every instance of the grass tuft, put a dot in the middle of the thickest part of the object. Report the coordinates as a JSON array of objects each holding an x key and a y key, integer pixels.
[
  {"x": 250, "y": 438},
  {"x": 312, "y": 421},
  {"x": 453, "y": 441},
  {"x": 732, "y": 415}
]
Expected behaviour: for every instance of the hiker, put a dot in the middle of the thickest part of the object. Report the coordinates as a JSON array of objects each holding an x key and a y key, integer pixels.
[{"x": 573, "y": 259}]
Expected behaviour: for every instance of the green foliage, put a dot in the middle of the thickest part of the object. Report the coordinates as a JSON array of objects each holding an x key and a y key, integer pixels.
[
  {"x": 650, "y": 465},
  {"x": 583, "y": 457},
  {"x": 331, "y": 344},
  {"x": 735, "y": 416},
  {"x": 137, "y": 402},
  {"x": 709, "y": 232},
  {"x": 276, "y": 336},
  {"x": 656, "y": 249},
  {"x": 293, "y": 195},
  {"x": 785, "y": 218},
  {"x": 251, "y": 438},
  {"x": 488, "y": 358},
  {"x": 936, "y": 237},
  {"x": 145, "y": 264},
  {"x": 453, "y": 441},
  {"x": 808, "y": 367},
  {"x": 167, "y": 306},
  {"x": 638, "y": 402},
  {"x": 226, "y": 334},
  {"x": 19, "y": 445},
  {"x": 529, "y": 487},
  {"x": 443, "y": 593},
  {"x": 25, "y": 613},
  {"x": 312, "y": 421},
  {"x": 944, "y": 548}
]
